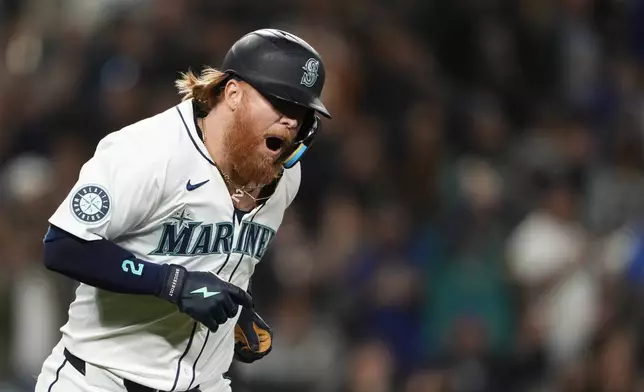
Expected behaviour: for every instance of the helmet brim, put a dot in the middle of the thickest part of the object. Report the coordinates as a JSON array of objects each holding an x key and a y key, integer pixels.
[
  {"x": 319, "y": 107},
  {"x": 313, "y": 103},
  {"x": 287, "y": 93}
]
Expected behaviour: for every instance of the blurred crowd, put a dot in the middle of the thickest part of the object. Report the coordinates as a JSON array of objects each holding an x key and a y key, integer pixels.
[{"x": 471, "y": 220}]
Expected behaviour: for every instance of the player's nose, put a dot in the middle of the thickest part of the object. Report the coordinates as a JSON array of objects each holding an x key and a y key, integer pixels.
[{"x": 292, "y": 124}]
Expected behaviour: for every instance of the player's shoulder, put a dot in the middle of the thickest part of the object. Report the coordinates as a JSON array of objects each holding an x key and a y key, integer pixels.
[
  {"x": 291, "y": 178},
  {"x": 157, "y": 135}
]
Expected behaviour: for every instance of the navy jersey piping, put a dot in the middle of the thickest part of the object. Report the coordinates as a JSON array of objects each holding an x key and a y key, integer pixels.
[
  {"x": 192, "y": 335},
  {"x": 229, "y": 253},
  {"x": 242, "y": 256},
  {"x": 57, "y": 375},
  {"x": 194, "y": 365},
  {"x": 185, "y": 125}
]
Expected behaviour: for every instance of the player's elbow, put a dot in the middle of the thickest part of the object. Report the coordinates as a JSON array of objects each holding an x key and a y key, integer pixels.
[
  {"x": 52, "y": 254},
  {"x": 56, "y": 248}
]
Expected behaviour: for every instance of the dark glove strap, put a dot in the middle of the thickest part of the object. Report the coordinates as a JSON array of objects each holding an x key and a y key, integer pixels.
[{"x": 174, "y": 281}]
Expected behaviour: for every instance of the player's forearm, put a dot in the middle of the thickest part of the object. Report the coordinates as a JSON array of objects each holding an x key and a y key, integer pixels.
[{"x": 102, "y": 264}]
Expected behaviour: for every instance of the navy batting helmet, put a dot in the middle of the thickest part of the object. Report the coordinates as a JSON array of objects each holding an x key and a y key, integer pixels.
[{"x": 280, "y": 65}]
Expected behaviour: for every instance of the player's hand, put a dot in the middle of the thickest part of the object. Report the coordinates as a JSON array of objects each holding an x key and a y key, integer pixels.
[
  {"x": 203, "y": 296},
  {"x": 253, "y": 337}
]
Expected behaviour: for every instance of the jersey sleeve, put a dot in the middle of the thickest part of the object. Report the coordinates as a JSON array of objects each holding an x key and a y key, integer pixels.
[{"x": 116, "y": 190}]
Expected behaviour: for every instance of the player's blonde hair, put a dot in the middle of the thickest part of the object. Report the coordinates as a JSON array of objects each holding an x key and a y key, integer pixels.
[{"x": 201, "y": 87}]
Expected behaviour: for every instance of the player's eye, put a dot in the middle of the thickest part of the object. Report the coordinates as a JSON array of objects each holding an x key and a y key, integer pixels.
[{"x": 289, "y": 109}]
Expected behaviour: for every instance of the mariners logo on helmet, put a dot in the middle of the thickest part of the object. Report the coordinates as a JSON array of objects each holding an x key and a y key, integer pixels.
[{"x": 310, "y": 72}]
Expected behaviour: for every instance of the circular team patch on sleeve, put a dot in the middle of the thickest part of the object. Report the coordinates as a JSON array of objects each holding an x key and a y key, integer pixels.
[{"x": 91, "y": 204}]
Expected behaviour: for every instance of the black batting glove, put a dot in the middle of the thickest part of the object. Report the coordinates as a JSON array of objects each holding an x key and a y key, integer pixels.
[
  {"x": 253, "y": 337},
  {"x": 203, "y": 296}
]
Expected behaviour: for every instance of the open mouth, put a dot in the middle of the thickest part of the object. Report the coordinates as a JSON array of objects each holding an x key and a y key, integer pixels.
[{"x": 275, "y": 143}]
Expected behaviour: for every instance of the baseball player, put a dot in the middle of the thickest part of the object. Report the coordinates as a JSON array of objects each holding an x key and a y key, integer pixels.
[{"x": 169, "y": 218}]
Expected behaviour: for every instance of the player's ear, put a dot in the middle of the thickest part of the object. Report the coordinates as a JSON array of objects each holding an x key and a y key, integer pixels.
[{"x": 233, "y": 94}]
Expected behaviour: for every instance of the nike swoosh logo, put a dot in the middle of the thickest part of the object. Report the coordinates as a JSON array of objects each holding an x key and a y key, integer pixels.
[
  {"x": 204, "y": 291},
  {"x": 192, "y": 187}
]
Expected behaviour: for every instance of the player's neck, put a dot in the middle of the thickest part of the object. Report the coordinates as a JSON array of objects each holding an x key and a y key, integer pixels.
[{"x": 213, "y": 131}]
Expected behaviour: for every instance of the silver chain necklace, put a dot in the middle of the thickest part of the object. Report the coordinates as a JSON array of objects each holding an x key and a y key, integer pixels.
[{"x": 240, "y": 191}]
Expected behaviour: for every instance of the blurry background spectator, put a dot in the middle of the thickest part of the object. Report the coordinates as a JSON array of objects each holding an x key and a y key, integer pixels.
[{"x": 471, "y": 220}]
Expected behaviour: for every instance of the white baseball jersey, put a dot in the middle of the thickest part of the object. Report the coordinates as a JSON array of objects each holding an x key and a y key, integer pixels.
[{"x": 153, "y": 189}]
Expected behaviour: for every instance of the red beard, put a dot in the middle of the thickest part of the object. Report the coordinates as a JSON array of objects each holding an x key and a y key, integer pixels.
[{"x": 244, "y": 153}]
